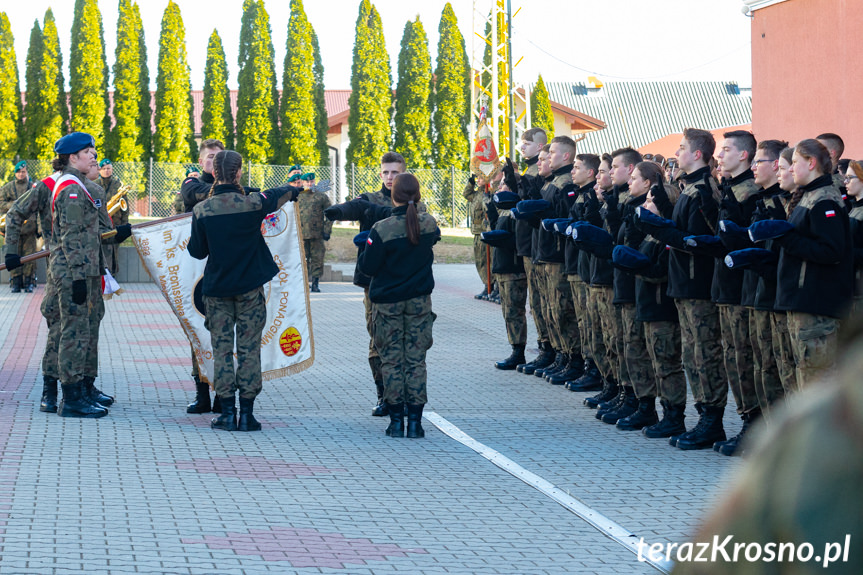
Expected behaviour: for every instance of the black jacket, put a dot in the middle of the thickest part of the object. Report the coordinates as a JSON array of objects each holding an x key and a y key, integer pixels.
[
  {"x": 399, "y": 270},
  {"x": 226, "y": 229},
  {"x": 652, "y": 302},
  {"x": 577, "y": 261},
  {"x": 195, "y": 190},
  {"x": 504, "y": 259},
  {"x": 739, "y": 195},
  {"x": 529, "y": 185},
  {"x": 856, "y": 223},
  {"x": 696, "y": 212},
  {"x": 356, "y": 211},
  {"x": 601, "y": 270},
  {"x": 627, "y": 235},
  {"x": 816, "y": 266},
  {"x": 559, "y": 191}
]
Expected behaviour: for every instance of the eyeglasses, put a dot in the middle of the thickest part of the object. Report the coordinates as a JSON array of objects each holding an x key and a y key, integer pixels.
[
  {"x": 756, "y": 162},
  {"x": 849, "y": 178}
]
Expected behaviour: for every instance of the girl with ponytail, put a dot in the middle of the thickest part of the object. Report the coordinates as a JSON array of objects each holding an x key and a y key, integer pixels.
[
  {"x": 226, "y": 229},
  {"x": 398, "y": 256}
]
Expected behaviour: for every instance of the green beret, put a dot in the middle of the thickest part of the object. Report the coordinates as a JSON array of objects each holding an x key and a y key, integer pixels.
[
  {"x": 20, "y": 165},
  {"x": 294, "y": 178},
  {"x": 105, "y": 162},
  {"x": 193, "y": 170},
  {"x": 294, "y": 167},
  {"x": 308, "y": 177}
]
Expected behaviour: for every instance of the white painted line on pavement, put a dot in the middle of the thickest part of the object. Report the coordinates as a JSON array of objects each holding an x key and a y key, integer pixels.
[{"x": 602, "y": 523}]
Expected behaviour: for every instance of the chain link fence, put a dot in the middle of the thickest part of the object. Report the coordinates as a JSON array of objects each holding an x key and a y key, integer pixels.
[{"x": 156, "y": 185}]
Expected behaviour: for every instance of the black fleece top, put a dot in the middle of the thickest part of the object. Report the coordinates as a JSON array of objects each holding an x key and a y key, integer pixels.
[
  {"x": 399, "y": 270},
  {"x": 530, "y": 184},
  {"x": 627, "y": 235},
  {"x": 226, "y": 229},
  {"x": 355, "y": 211},
  {"x": 816, "y": 267}
]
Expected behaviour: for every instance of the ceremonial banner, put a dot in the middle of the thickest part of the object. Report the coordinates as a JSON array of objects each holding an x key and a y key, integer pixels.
[{"x": 287, "y": 343}]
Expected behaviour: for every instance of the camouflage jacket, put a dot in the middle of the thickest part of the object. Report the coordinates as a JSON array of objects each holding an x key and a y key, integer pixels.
[
  {"x": 78, "y": 217},
  {"x": 112, "y": 186},
  {"x": 399, "y": 270},
  {"x": 9, "y": 193},
  {"x": 477, "y": 200},
  {"x": 313, "y": 224},
  {"x": 34, "y": 205}
]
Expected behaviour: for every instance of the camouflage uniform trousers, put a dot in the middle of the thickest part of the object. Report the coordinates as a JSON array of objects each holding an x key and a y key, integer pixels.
[
  {"x": 480, "y": 258},
  {"x": 50, "y": 309},
  {"x": 73, "y": 347},
  {"x": 315, "y": 249},
  {"x": 513, "y": 298},
  {"x": 612, "y": 333},
  {"x": 374, "y": 357},
  {"x": 97, "y": 313},
  {"x": 26, "y": 246},
  {"x": 813, "y": 342},
  {"x": 579, "y": 303},
  {"x": 663, "y": 345},
  {"x": 403, "y": 334},
  {"x": 768, "y": 386},
  {"x": 561, "y": 310},
  {"x": 535, "y": 300},
  {"x": 737, "y": 355},
  {"x": 596, "y": 339},
  {"x": 782, "y": 352},
  {"x": 112, "y": 258},
  {"x": 638, "y": 362},
  {"x": 701, "y": 351},
  {"x": 248, "y": 312}
]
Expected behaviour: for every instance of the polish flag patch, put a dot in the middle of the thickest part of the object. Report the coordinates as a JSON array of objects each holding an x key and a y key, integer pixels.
[
  {"x": 830, "y": 214},
  {"x": 73, "y": 196},
  {"x": 369, "y": 241},
  {"x": 570, "y": 194}
]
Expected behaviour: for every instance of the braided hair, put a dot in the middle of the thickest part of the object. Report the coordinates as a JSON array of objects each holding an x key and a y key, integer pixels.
[
  {"x": 226, "y": 168},
  {"x": 406, "y": 190}
]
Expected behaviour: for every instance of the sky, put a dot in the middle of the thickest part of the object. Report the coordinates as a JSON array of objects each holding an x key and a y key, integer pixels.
[{"x": 564, "y": 40}]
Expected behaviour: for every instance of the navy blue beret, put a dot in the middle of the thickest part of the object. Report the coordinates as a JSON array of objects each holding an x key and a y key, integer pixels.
[
  {"x": 74, "y": 143},
  {"x": 584, "y": 232},
  {"x": 506, "y": 200},
  {"x": 730, "y": 227},
  {"x": 562, "y": 225},
  {"x": 528, "y": 207},
  {"x": 750, "y": 256},
  {"x": 627, "y": 257},
  {"x": 495, "y": 237},
  {"x": 768, "y": 230},
  {"x": 361, "y": 238},
  {"x": 652, "y": 219},
  {"x": 701, "y": 241},
  {"x": 552, "y": 224}
]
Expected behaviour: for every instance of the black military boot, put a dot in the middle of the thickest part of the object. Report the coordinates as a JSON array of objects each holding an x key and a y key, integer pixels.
[
  {"x": 544, "y": 359},
  {"x": 643, "y": 416},
  {"x": 315, "y": 288},
  {"x": 48, "y": 404},
  {"x": 734, "y": 446},
  {"x": 672, "y": 440},
  {"x": 591, "y": 380},
  {"x": 217, "y": 403},
  {"x": 671, "y": 422},
  {"x": 247, "y": 417},
  {"x": 28, "y": 284},
  {"x": 627, "y": 408},
  {"x": 202, "y": 398},
  {"x": 608, "y": 392},
  {"x": 574, "y": 370},
  {"x": 16, "y": 284},
  {"x": 708, "y": 431},
  {"x": 94, "y": 394},
  {"x": 75, "y": 404},
  {"x": 415, "y": 417},
  {"x": 396, "y": 428},
  {"x": 483, "y": 294},
  {"x": 613, "y": 403},
  {"x": 494, "y": 296},
  {"x": 380, "y": 409},
  {"x": 228, "y": 418},
  {"x": 559, "y": 361},
  {"x": 515, "y": 358}
]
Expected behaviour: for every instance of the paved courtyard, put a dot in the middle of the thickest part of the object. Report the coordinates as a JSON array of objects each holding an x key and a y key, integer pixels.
[{"x": 150, "y": 489}]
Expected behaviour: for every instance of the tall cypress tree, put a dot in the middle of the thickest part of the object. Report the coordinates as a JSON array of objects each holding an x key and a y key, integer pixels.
[
  {"x": 541, "y": 115},
  {"x": 451, "y": 96},
  {"x": 298, "y": 141},
  {"x": 52, "y": 98},
  {"x": 32, "y": 115},
  {"x": 371, "y": 91},
  {"x": 145, "y": 111},
  {"x": 10, "y": 93},
  {"x": 216, "y": 119},
  {"x": 88, "y": 73},
  {"x": 413, "y": 115},
  {"x": 257, "y": 109},
  {"x": 173, "y": 86},
  {"x": 321, "y": 123},
  {"x": 125, "y": 140}
]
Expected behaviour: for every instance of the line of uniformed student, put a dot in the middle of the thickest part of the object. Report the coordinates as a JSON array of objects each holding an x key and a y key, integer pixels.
[{"x": 638, "y": 284}]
